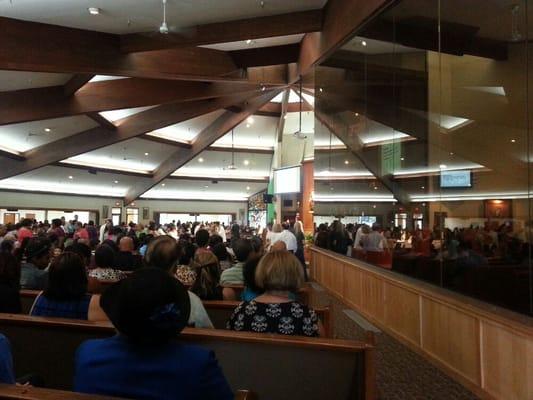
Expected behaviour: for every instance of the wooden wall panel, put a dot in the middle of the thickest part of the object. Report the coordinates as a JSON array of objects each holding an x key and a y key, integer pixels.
[
  {"x": 402, "y": 312},
  {"x": 373, "y": 296},
  {"x": 452, "y": 337},
  {"x": 507, "y": 363},
  {"x": 487, "y": 349},
  {"x": 352, "y": 286}
]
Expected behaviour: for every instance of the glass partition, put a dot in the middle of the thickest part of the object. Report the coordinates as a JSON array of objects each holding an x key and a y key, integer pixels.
[{"x": 422, "y": 147}]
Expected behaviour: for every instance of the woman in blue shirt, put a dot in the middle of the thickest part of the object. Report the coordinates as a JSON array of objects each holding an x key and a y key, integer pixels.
[
  {"x": 148, "y": 309},
  {"x": 66, "y": 294}
]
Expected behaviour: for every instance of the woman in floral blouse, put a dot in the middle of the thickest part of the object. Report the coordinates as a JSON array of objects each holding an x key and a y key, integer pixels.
[{"x": 279, "y": 273}]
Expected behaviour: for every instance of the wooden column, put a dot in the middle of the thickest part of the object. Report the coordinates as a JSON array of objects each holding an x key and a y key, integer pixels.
[{"x": 308, "y": 187}]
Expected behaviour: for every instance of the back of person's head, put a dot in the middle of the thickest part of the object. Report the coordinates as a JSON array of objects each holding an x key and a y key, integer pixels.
[
  {"x": 56, "y": 223},
  {"x": 285, "y": 225},
  {"x": 242, "y": 249},
  {"x": 36, "y": 247},
  {"x": 148, "y": 307},
  {"x": 207, "y": 271},
  {"x": 163, "y": 252},
  {"x": 257, "y": 245},
  {"x": 7, "y": 246},
  {"x": 81, "y": 249},
  {"x": 104, "y": 256},
  {"x": 202, "y": 237},
  {"x": 220, "y": 251},
  {"x": 126, "y": 244},
  {"x": 376, "y": 226},
  {"x": 277, "y": 228},
  {"x": 9, "y": 269},
  {"x": 280, "y": 245},
  {"x": 67, "y": 278},
  {"x": 279, "y": 270},
  {"x": 26, "y": 223},
  {"x": 248, "y": 273},
  {"x": 112, "y": 244},
  {"x": 187, "y": 252},
  {"x": 214, "y": 240}
]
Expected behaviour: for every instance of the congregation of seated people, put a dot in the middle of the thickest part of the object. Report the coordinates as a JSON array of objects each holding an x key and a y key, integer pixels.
[{"x": 150, "y": 282}]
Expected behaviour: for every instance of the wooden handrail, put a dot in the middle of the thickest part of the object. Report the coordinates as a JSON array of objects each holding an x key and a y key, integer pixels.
[{"x": 32, "y": 393}]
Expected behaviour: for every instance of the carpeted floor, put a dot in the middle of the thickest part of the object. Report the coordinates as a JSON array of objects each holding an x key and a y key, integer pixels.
[{"x": 401, "y": 373}]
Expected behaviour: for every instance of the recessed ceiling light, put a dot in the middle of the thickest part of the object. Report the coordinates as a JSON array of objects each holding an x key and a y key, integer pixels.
[
  {"x": 363, "y": 43},
  {"x": 356, "y": 114},
  {"x": 70, "y": 177},
  {"x": 206, "y": 186},
  {"x": 443, "y": 166},
  {"x": 93, "y": 10},
  {"x": 375, "y": 188},
  {"x": 163, "y": 184},
  {"x": 513, "y": 140},
  {"x": 422, "y": 187},
  {"x": 246, "y": 162},
  {"x": 374, "y": 206},
  {"x": 47, "y": 130},
  {"x": 451, "y": 153},
  {"x": 321, "y": 90},
  {"x": 116, "y": 181},
  {"x": 250, "y": 120},
  {"x": 346, "y": 162},
  {"x": 402, "y": 159},
  {"x": 146, "y": 154},
  {"x": 285, "y": 116},
  {"x": 247, "y": 125},
  {"x": 247, "y": 187},
  {"x": 249, "y": 41},
  {"x": 200, "y": 159}
]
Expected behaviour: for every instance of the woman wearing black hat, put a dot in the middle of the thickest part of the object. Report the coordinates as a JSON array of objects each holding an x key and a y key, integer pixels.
[
  {"x": 33, "y": 274},
  {"x": 148, "y": 309}
]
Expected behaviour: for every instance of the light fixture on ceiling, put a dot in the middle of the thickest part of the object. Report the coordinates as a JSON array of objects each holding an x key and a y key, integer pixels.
[
  {"x": 363, "y": 43},
  {"x": 247, "y": 187},
  {"x": 247, "y": 125},
  {"x": 200, "y": 160},
  {"x": 402, "y": 159},
  {"x": 146, "y": 154},
  {"x": 356, "y": 114},
  {"x": 246, "y": 162},
  {"x": 299, "y": 134},
  {"x": 206, "y": 186},
  {"x": 513, "y": 140},
  {"x": 163, "y": 29},
  {"x": 47, "y": 129},
  {"x": 346, "y": 162},
  {"x": 232, "y": 165},
  {"x": 116, "y": 182},
  {"x": 249, "y": 42},
  {"x": 443, "y": 166},
  {"x": 422, "y": 187},
  {"x": 250, "y": 120},
  {"x": 163, "y": 184},
  {"x": 93, "y": 10},
  {"x": 70, "y": 177}
]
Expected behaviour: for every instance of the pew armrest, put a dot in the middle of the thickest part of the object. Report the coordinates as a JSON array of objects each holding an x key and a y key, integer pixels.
[
  {"x": 32, "y": 393},
  {"x": 245, "y": 395}
]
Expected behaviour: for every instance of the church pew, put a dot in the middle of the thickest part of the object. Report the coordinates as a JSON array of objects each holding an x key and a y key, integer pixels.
[
  {"x": 33, "y": 393},
  {"x": 233, "y": 292},
  {"x": 220, "y": 311},
  {"x": 272, "y": 366},
  {"x": 27, "y": 297}
]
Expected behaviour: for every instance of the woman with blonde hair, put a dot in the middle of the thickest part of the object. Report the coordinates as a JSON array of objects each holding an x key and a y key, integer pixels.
[{"x": 279, "y": 274}]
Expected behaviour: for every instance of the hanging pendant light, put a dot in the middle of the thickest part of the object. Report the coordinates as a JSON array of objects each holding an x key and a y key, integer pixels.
[
  {"x": 299, "y": 134},
  {"x": 232, "y": 165}
]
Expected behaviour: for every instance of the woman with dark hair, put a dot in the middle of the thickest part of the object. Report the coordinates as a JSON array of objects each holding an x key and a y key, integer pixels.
[
  {"x": 148, "y": 309},
  {"x": 224, "y": 258},
  {"x": 251, "y": 290},
  {"x": 207, "y": 283},
  {"x": 235, "y": 234},
  {"x": 9, "y": 284},
  {"x": 66, "y": 294},
  {"x": 104, "y": 273}
]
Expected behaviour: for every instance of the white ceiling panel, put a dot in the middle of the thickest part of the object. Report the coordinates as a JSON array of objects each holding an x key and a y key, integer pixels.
[
  {"x": 292, "y": 122},
  {"x": 115, "y": 115},
  {"x": 28, "y": 135},
  {"x": 257, "y": 43},
  {"x": 19, "y": 80},
  {"x": 136, "y": 155},
  {"x": 188, "y": 130},
  {"x": 256, "y": 132},
  {"x": 214, "y": 164}
]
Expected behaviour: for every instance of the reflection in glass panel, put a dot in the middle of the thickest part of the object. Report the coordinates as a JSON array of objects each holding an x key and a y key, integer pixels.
[{"x": 422, "y": 147}]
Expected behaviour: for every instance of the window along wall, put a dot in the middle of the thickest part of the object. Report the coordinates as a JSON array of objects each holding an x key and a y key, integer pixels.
[{"x": 425, "y": 117}]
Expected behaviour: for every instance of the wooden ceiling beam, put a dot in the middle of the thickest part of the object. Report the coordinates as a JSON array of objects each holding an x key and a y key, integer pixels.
[
  {"x": 261, "y": 56},
  {"x": 127, "y": 128},
  {"x": 50, "y": 102},
  {"x": 68, "y": 50},
  {"x": 103, "y": 122},
  {"x": 224, "y": 32},
  {"x": 340, "y": 21},
  {"x": 222, "y": 125},
  {"x": 76, "y": 83}
]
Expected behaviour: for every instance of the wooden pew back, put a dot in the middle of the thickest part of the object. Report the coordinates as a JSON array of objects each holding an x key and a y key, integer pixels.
[{"x": 272, "y": 366}]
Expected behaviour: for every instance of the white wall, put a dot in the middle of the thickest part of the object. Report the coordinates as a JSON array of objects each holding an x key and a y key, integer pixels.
[{"x": 51, "y": 201}]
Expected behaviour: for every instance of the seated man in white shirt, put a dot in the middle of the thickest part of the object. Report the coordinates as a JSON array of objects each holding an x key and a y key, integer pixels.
[{"x": 374, "y": 241}]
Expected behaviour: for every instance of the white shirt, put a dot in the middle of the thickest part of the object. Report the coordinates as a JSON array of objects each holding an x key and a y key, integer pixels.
[
  {"x": 222, "y": 233},
  {"x": 198, "y": 317},
  {"x": 374, "y": 241},
  {"x": 289, "y": 239}
]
